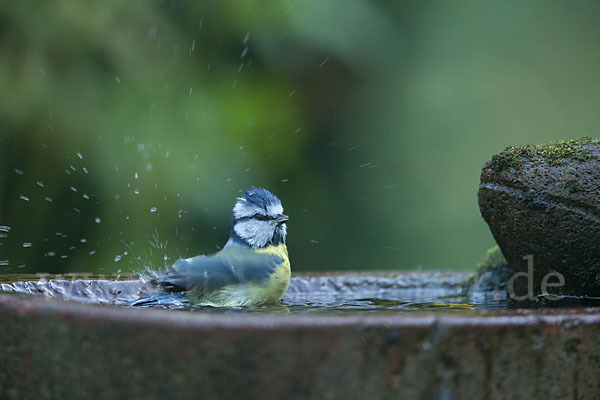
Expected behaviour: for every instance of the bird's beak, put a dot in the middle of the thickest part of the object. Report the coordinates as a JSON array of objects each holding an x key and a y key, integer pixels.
[{"x": 281, "y": 219}]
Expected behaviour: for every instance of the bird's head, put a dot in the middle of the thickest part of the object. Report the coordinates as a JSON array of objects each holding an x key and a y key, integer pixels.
[{"x": 258, "y": 218}]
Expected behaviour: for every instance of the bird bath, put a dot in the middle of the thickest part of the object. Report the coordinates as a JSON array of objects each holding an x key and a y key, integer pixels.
[{"x": 342, "y": 335}]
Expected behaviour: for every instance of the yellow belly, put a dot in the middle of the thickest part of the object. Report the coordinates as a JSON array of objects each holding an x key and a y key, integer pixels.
[{"x": 255, "y": 293}]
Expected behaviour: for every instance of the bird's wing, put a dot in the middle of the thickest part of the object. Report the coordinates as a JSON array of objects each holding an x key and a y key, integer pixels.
[{"x": 207, "y": 273}]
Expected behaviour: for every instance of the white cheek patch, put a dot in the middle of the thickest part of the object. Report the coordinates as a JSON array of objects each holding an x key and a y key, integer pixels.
[
  {"x": 257, "y": 233},
  {"x": 244, "y": 209},
  {"x": 283, "y": 230},
  {"x": 275, "y": 209}
]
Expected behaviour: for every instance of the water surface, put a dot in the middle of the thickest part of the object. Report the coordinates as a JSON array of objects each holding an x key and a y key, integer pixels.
[{"x": 315, "y": 293}]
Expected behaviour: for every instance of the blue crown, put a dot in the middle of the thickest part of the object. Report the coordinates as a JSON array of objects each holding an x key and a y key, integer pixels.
[{"x": 260, "y": 197}]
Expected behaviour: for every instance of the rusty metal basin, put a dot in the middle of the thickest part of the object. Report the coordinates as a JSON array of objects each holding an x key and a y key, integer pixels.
[{"x": 53, "y": 348}]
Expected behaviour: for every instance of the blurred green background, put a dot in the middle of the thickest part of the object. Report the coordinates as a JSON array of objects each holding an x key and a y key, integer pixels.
[{"x": 128, "y": 128}]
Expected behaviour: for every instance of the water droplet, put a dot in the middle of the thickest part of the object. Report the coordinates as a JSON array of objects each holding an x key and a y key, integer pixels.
[
  {"x": 85, "y": 170},
  {"x": 50, "y": 254},
  {"x": 292, "y": 93},
  {"x": 27, "y": 244},
  {"x": 85, "y": 196},
  {"x": 91, "y": 253},
  {"x": 118, "y": 80},
  {"x": 18, "y": 171},
  {"x": 97, "y": 220},
  {"x": 40, "y": 183},
  {"x": 284, "y": 180},
  {"x": 5, "y": 228},
  {"x": 4, "y": 263},
  {"x": 136, "y": 176},
  {"x": 80, "y": 155},
  {"x": 165, "y": 257},
  {"x": 48, "y": 199},
  {"x": 153, "y": 209},
  {"x": 22, "y": 197},
  {"x": 117, "y": 258},
  {"x": 136, "y": 191},
  {"x": 73, "y": 188},
  {"x": 83, "y": 240}
]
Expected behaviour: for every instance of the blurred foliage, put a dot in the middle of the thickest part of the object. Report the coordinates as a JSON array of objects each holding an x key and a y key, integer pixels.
[{"x": 129, "y": 127}]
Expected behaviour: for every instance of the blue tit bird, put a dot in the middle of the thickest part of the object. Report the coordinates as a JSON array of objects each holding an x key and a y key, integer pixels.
[{"x": 252, "y": 269}]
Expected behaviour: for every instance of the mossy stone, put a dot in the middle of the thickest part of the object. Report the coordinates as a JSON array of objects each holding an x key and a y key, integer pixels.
[
  {"x": 492, "y": 273},
  {"x": 544, "y": 201}
]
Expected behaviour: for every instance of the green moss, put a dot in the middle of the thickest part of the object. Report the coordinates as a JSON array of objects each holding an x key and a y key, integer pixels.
[
  {"x": 492, "y": 259},
  {"x": 492, "y": 273},
  {"x": 553, "y": 153},
  {"x": 571, "y": 185}
]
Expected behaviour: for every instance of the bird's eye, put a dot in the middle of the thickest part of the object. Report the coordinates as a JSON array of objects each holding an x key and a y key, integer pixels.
[{"x": 261, "y": 217}]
